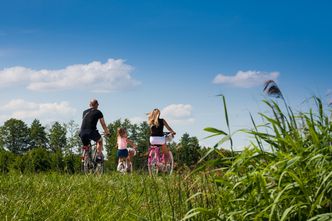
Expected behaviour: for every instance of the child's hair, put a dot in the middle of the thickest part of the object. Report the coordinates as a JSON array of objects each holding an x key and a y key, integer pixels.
[
  {"x": 153, "y": 117},
  {"x": 121, "y": 132}
]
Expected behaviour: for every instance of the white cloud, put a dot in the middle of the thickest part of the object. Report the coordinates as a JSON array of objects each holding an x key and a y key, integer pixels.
[
  {"x": 245, "y": 79},
  {"x": 329, "y": 92},
  {"x": 95, "y": 76},
  {"x": 46, "y": 112},
  {"x": 178, "y": 114}
]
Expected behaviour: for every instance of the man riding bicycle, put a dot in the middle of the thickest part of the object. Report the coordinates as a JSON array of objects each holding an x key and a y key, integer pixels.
[{"x": 89, "y": 130}]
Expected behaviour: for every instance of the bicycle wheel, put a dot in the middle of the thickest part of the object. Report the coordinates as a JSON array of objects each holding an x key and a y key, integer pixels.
[
  {"x": 121, "y": 167},
  {"x": 130, "y": 168},
  {"x": 99, "y": 168},
  {"x": 169, "y": 164},
  {"x": 154, "y": 166},
  {"x": 86, "y": 163}
]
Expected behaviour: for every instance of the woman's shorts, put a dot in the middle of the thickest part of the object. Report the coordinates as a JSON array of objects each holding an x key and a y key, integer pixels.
[
  {"x": 122, "y": 153},
  {"x": 157, "y": 140}
]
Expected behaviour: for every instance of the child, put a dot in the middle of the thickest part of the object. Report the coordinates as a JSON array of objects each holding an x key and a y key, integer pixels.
[{"x": 122, "y": 141}]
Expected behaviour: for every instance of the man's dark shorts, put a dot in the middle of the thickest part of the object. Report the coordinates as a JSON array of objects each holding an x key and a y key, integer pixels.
[{"x": 88, "y": 135}]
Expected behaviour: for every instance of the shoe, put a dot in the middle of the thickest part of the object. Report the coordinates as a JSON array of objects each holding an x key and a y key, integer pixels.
[{"x": 99, "y": 159}]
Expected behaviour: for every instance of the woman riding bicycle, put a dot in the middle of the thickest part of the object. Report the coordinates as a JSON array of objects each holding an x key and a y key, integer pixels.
[{"x": 157, "y": 130}]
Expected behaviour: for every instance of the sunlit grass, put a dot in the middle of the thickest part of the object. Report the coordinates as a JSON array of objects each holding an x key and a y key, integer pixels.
[{"x": 293, "y": 181}]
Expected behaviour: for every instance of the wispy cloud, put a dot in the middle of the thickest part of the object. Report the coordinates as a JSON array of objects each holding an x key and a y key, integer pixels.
[
  {"x": 95, "y": 76},
  {"x": 46, "y": 112},
  {"x": 178, "y": 114},
  {"x": 245, "y": 79}
]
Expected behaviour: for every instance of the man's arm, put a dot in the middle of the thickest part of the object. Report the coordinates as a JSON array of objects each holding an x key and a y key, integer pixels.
[{"x": 103, "y": 124}]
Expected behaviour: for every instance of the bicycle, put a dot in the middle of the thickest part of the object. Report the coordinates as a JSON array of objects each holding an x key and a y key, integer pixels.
[
  {"x": 158, "y": 161},
  {"x": 123, "y": 167},
  {"x": 90, "y": 164}
]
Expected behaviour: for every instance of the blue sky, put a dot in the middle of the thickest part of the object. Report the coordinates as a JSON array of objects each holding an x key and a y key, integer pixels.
[{"x": 134, "y": 56}]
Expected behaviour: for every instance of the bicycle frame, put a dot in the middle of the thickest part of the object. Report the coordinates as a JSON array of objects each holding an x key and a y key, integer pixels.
[
  {"x": 123, "y": 166},
  {"x": 88, "y": 160},
  {"x": 157, "y": 161}
]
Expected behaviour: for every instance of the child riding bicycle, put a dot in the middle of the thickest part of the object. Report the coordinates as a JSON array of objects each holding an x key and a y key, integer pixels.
[{"x": 123, "y": 153}]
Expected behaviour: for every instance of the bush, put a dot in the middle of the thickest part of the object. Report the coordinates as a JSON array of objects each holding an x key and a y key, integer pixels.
[{"x": 6, "y": 158}]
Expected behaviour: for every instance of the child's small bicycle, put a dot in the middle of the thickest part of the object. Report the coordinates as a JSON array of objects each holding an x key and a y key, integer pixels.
[
  {"x": 123, "y": 166},
  {"x": 158, "y": 161},
  {"x": 90, "y": 163}
]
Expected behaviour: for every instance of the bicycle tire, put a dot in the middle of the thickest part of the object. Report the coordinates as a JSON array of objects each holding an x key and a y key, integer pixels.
[
  {"x": 99, "y": 170},
  {"x": 86, "y": 165},
  {"x": 154, "y": 166},
  {"x": 169, "y": 165},
  {"x": 121, "y": 167}
]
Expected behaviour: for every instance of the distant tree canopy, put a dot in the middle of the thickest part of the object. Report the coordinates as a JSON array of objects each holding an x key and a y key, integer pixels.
[
  {"x": 37, "y": 149},
  {"x": 38, "y": 136},
  {"x": 15, "y": 136}
]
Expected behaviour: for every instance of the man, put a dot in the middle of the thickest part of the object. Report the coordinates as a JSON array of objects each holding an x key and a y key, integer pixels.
[{"x": 89, "y": 127}]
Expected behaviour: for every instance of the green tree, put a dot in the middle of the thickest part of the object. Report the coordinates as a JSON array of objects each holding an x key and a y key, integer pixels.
[
  {"x": 139, "y": 134},
  {"x": 73, "y": 140},
  {"x": 188, "y": 151},
  {"x": 6, "y": 159},
  {"x": 142, "y": 141},
  {"x": 57, "y": 137},
  {"x": 38, "y": 135},
  {"x": 111, "y": 147},
  {"x": 72, "y": 163},
  {"x": 40, "y": 160},
  {"x": 15, "y": 136}
]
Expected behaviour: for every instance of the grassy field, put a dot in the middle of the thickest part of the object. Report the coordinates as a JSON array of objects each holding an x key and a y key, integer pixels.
[
  {"x": 108, "y": 197},
  {"x": 291, "y": 182}
]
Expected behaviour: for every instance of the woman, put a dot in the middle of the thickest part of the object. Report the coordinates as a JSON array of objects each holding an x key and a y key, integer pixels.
[{"x": 157, "y": 130}]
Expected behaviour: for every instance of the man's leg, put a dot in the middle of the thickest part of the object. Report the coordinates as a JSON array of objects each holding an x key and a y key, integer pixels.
[{"x": 100, "y": 147}]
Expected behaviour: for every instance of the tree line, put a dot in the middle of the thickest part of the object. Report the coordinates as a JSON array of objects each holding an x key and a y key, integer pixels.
[{"x": 57, "y": 147}]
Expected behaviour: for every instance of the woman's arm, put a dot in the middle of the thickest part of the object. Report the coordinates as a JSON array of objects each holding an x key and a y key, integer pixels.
[{"x": 168, "y": 127}]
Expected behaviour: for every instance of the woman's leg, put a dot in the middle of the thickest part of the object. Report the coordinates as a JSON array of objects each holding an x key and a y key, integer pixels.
[{"x": 165, "y": 152}]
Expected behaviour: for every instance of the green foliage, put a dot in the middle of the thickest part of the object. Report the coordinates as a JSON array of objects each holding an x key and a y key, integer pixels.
[
  {"x": 139, "y": 134},
  {"x": 15, "y": 136},
  {"x": 188, "y": 151},
  {"x": 39, "y": 159},
  {"x": 73, "y": 140},
  {"x": 292, "y": 182},
  {"x": 6, "y": 158},
  {"x": 227, "y": 137},
  {"x": 72, "y": 163},
  {"x": 57, "y": 137},
  {"x": 38, "y": 137}
]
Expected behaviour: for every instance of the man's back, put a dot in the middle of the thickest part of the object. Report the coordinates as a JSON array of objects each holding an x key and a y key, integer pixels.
[{"x": 90, "y": 119}]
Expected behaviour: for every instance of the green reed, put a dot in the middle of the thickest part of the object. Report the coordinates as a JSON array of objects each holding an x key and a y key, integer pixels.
[{"x": 291, "y": 182}]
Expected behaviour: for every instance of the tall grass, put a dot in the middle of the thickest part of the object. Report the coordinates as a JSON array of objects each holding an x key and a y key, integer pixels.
[
  {"x": 293, "y": 182},
  {"x": 108, "y": 197}
]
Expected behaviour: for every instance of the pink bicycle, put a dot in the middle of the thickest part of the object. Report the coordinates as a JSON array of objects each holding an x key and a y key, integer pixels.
[{"x": 158, "y": 161}]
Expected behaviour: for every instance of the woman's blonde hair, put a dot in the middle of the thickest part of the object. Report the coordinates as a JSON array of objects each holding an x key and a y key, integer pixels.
[
  {"x": 121, "y": 132},
  {"x": 153, "y": 117}
]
